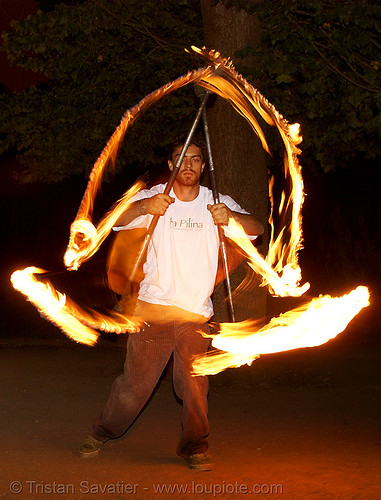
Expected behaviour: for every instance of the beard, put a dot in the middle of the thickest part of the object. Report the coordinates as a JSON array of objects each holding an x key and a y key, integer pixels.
[{"x": 188, "y": 178}]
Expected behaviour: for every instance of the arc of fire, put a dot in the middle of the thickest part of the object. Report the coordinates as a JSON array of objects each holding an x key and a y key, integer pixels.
[{"x": 279, "y": 269}]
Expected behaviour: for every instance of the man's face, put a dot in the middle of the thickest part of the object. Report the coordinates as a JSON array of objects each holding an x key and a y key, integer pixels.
[{"x": 191, "y": 167}]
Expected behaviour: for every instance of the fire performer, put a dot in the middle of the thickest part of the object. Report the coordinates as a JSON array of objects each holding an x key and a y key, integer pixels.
[{"x": 174, "y": 301}]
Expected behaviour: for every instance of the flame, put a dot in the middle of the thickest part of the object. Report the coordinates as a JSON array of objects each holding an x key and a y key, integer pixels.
[
  {"x": 85, "y": 239},
  {"x": 279, "y": 269},
  {"x": 310, "y": 325},
  {"x": 284, "y": 285},
  {"x": 282, "y": 256},
  {"x": 70, "y": 318}
]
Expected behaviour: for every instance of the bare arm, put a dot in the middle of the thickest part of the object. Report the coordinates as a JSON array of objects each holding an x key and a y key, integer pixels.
[
  {"x": 155, "y": 205},
  {"x": 221, "y": 215}
]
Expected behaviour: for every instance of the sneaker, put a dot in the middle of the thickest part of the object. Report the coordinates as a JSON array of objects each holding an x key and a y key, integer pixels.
[
  {"x": 199, "y": 461},
  {"x": 91, "y": 447}
]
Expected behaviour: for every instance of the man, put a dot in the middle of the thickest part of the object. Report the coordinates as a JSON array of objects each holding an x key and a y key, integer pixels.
[{"x": 174, "y": 301}]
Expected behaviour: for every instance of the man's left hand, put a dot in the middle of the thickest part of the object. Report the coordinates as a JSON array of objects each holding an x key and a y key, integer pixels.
[{"x": 220, "y": 213}]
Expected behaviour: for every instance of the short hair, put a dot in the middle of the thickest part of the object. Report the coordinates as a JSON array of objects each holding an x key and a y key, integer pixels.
[{"x": 197, "y": 140}]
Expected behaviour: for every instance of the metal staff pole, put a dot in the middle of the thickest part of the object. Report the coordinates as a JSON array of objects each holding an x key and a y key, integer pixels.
[
  {"x": 155, "y": 218},
  {"x": 216, "y": 198}
]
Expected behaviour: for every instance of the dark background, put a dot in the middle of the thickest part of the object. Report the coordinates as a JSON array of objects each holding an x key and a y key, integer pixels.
[{"x": 341, "y": 223}]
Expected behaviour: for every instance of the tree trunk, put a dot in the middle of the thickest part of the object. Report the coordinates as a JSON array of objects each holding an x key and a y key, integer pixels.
[{"x": 237, "y": 153}]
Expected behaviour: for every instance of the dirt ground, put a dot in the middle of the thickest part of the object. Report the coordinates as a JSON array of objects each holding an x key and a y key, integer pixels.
[{"x": 298, "y": 425}]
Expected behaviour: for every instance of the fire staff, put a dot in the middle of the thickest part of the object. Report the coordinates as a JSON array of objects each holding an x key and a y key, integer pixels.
[{"x": 174, "y": 301}]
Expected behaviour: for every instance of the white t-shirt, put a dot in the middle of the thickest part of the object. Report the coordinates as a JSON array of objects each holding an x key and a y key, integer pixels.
[{"x": 182, "y": 255}]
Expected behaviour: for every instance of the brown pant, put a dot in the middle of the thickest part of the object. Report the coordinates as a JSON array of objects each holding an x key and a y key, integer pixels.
[{"x": 148, "y": 352}]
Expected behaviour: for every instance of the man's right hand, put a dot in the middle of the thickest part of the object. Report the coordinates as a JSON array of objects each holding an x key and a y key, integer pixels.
[{"x": 156, "y": 205}]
